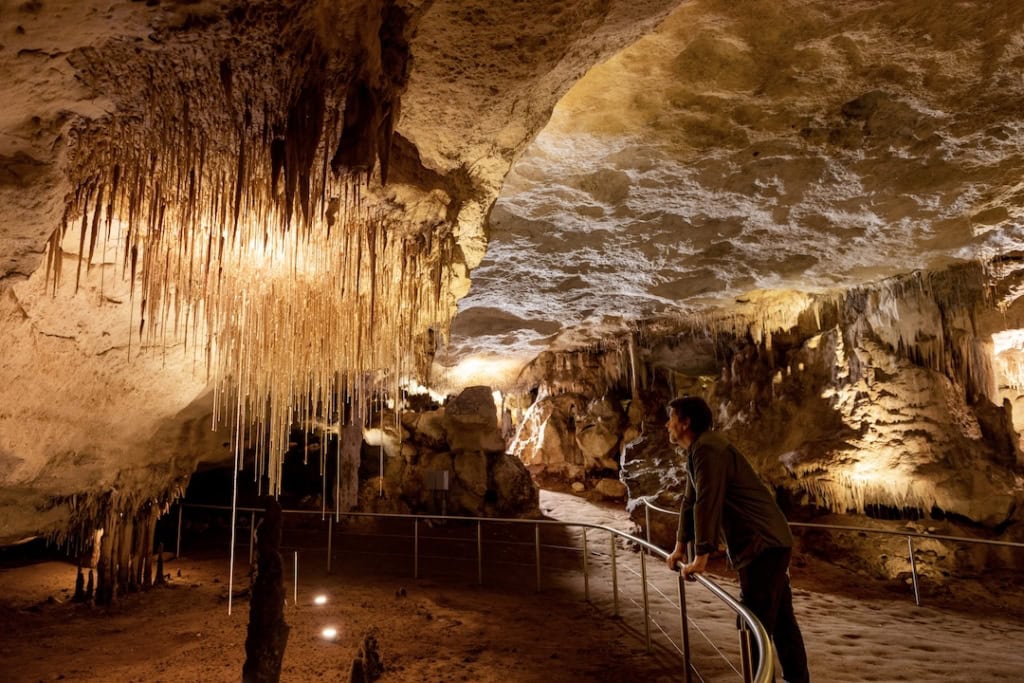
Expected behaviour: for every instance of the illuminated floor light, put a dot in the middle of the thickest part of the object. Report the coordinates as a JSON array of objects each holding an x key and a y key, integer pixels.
[
  {"x": 320, "y": 600},
  {"x": 329, "y": 633}
]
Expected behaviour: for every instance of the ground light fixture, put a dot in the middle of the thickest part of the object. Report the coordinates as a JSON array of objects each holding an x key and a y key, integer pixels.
[
  {"x": 329, "y": 633},
  {"x": 320, "y": 600}
]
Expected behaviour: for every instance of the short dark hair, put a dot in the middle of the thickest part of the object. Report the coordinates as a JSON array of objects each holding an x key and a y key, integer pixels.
[{"x": 693, "y": 408}]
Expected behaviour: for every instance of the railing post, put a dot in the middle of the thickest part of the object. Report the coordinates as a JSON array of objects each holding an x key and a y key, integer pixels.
[
  {"x": 647, "y": 615},
  {"x": 747, "y": 663},
  {"x": 295, "y": 581},
  {"x": 177, "y": 548},
  {"x": 615, "y": 579},
  {"x": 647, "y": 522},
  {"x": 252, "y": 535},
  {"x": 479, "y": 553},
  {"x": 586, "y": 572},
  {"x": 330, "y": 535},
  {"x": 536, "y": 543},
  {"x": 913, "y": 570},
  {"x": 684, "y": 629},
  {"x": 415, "y": 548}
]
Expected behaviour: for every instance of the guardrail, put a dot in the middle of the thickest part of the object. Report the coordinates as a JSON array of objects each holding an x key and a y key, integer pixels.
[
  {"x": 910, "y": 535},
  {"x": 748, "y": 625}
]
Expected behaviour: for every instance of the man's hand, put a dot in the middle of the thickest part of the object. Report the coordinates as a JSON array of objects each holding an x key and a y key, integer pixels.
[
  {"x": 699, "y": 564},
  {"x": 676, "y": 558}
]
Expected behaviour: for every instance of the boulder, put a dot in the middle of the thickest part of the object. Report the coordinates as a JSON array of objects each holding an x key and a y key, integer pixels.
[
  {"x": 386, "y": 436},
  {"x": 547, "y": 435},
  {"x": 471, "y": 422},
  {"x": 599, "y": 442},
  {"x": 474, "y": 406},
  {"x": 371, "y": 500},
  {"x": 513, "y": 486},
  {"x": 471, "y": 471},
  {"x": 611, "y": 488},
  {"x": 653, "y": 469},
  {"x": 429, "y": 428}
]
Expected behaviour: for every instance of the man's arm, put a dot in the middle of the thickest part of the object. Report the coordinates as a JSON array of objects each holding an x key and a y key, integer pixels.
[
  {"x": 699, "y": 564},
  {"x": 684, "y": 532},
  {"x": 709, "y": 476}
]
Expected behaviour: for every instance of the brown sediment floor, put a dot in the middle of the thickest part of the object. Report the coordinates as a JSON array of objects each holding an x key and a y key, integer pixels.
[{"x": 445, "y": 627}]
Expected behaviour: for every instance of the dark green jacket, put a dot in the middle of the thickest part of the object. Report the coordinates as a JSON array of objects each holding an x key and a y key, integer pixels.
[{"x": 726, "y": 500}]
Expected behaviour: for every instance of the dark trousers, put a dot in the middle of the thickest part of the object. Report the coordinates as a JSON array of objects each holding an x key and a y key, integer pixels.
[{"x": 764, "y": 588}]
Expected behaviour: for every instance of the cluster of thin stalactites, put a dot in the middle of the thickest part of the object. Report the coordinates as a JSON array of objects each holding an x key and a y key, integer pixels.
[{"x": 291, "y": 311}]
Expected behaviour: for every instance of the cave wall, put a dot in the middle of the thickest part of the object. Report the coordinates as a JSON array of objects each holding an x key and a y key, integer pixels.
[{"x": 890, "y": 396}]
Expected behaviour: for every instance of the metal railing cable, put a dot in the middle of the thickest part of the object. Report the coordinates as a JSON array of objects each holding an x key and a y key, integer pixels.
[
  {"x": 749, "y": 626},
  {"x": 693, "y": 623},
  {"x": 910, "y": 535}
]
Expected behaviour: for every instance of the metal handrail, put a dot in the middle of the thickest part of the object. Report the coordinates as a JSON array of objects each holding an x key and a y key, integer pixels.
[
  {"x": 648, "y": 506},
  {"x": 765, "y": 668}
]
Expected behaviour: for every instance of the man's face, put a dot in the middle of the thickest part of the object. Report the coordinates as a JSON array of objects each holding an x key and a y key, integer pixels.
[{"x": 678, "y": 430}]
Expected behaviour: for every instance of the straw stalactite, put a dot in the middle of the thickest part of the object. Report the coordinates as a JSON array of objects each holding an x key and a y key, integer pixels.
[{"x": 240, "y": 191}]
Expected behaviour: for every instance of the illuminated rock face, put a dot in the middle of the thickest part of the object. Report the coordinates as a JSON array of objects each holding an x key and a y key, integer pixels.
[
  {"x": 848, "y": 408},
  {"x": 570, "y": 435},
  {"x": 283, "y": 202},
  {"x": 771, "y": 145},
  {"x": 294, "y": 191},
  {"x": 452, "y": 461}
]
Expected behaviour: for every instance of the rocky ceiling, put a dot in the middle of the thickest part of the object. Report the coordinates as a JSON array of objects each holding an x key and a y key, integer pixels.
[
  {"x": 264, "y": 201},
  {"x": 805, "y": 146}
]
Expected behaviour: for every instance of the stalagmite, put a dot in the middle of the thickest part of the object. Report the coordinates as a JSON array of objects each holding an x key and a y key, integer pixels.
[
  {"x": 123, "y": 553},
  {"x": 105, "y": 574},
  {"x": 267, "y": 634},
  {"x": 159, "y": 580}
]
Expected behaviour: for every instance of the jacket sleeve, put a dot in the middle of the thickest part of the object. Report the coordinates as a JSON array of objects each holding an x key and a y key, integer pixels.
[
  {"x": 684, "y": 534},
  {"x": 709, "y": 480}
]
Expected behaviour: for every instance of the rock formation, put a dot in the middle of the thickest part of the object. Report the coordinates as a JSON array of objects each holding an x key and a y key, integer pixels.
[
  {"x": 253, "y": 216},
  {"x": 889, "y": 400},
  {"x": 450, "y": 460},
  {"x": 174, "y": 175}
]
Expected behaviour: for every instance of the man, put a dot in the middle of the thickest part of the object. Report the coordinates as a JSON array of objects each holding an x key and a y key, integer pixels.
[{"x": 726, "y": 500}]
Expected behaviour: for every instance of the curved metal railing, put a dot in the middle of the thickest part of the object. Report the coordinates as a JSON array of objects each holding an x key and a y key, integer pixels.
[
  {"x": 749, "y": 626},
  {"x": 910, "y": 535}
]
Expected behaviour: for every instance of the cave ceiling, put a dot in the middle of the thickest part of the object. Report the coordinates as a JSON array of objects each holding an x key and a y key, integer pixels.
[
  {"x": 344, "y": 180},
  {"x": 807, "y": 146}
]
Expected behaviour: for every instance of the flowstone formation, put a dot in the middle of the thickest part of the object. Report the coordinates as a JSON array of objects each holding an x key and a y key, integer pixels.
[{"x": 569, "y": 434}]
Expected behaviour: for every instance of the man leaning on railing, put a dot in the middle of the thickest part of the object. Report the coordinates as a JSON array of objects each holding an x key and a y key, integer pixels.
[{"x": 725, "y": 499}]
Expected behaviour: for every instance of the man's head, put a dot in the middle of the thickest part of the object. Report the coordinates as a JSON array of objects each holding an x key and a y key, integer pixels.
[{"x": 688, "y": 418}]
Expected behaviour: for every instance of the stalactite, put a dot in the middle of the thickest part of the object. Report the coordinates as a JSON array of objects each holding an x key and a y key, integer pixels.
[
  {"x": 105, "y": 575},
  {"x": 123, "y": 554},
  {"x": 244, "y": 229}
]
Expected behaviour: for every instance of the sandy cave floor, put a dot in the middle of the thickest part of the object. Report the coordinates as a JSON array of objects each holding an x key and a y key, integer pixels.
[{"x": 446, "y": 628}]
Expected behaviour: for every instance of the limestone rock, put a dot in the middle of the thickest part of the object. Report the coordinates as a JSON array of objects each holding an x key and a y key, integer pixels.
[
  {"x": 471, "y": 471},
  {"x": 598, "y": 442},
  {"x": 514, "y": 487},
  {"x": 599, "y": 433},
  {"x": 429, "y": 428},
  {"x": 611, "y": 488},
  {"x": 473, "y": 406},
  {"x": 471, "y": 422},
  {"x": 547, "y": 435}
]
